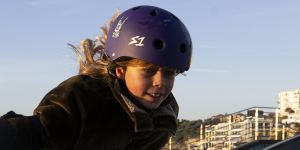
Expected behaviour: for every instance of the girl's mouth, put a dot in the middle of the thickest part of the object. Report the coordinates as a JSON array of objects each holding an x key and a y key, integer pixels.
[{"x": 155, "y": 94}]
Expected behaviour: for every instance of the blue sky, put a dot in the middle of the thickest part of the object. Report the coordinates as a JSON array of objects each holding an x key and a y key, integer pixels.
[{"x": 245, "y": 51}]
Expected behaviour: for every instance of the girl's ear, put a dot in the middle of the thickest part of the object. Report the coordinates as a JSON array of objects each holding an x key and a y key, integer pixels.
[{"x": 120, "y": 72}]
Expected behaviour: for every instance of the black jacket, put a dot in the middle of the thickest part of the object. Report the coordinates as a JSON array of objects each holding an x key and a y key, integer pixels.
[{"x": 85, "y": 113}]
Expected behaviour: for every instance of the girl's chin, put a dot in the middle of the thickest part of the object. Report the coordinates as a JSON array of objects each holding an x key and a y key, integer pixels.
[{"x": 151, "y": 104}]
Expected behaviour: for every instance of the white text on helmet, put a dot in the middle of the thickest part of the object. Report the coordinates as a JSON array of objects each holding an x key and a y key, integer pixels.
[{"x": 116, "y": 33}]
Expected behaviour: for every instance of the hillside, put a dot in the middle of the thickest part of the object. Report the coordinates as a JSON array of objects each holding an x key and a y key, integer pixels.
[{"x": 187, "y": 129}]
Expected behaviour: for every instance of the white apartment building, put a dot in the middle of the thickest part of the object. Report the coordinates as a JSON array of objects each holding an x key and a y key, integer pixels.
[
  {"x": 242, "y": 131},
  {"x": 289, "y": 106}
]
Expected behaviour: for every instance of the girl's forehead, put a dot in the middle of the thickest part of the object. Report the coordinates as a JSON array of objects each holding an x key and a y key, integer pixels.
[
  {"x": 152, "y": 66},
  {"x": 144, "y": 64}
]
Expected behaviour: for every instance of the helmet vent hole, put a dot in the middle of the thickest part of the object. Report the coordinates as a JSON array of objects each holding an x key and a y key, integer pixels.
[
  {"x": 135, "y": 8},
  {"x": 153, "y": 13},
  {"x": 158, "y": 44},
  {"x": 182, "y": 48}
]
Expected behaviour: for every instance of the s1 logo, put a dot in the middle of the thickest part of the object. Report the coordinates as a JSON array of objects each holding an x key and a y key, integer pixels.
[{"x": 137, "y": 41}]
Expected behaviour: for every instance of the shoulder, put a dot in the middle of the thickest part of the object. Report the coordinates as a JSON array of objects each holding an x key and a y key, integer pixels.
[
  {"x": 82, "y": 79},
  {"x": 82, "y": 82},
  {"x": 75, "y": 87}
]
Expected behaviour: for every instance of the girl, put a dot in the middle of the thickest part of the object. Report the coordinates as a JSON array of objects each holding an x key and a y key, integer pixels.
[{"x": 121, "y": 98}]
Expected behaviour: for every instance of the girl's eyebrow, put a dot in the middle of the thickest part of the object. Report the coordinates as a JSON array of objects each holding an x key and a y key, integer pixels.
[{"x": 150, "y": 67}]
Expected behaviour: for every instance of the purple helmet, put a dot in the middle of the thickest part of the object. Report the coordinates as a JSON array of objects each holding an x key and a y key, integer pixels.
[{"x": 151, "y": 34}]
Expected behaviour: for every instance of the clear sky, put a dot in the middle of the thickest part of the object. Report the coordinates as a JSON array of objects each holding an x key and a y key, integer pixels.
[{"x": 245, "y": 51}]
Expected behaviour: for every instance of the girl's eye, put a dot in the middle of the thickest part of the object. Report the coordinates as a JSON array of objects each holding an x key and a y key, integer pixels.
[
  {"x": 170, "y": 73},
  {"x": 166, "y": 72},
  {"x": 150, "y": 71}
]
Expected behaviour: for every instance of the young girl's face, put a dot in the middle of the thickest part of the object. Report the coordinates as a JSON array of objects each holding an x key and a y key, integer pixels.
[{"x": 149, "y": 84}]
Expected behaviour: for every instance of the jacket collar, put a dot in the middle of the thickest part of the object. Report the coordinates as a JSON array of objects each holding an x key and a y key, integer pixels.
[{"x": 162, "y": 118}]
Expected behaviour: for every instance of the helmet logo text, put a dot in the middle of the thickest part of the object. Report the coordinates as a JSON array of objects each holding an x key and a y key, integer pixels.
[
  {"x": 116, "y": 33},
  {"x": 137, "y": 41}
]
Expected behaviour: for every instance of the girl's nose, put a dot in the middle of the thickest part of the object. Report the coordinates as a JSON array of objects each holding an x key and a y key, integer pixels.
[{"x": 158, "y": 79}]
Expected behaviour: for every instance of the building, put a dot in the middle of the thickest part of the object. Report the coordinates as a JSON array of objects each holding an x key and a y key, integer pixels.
[
  {"x": 239, "y": 129},
  {"x": 289, "y": 106},
  {"x": 231, "y": 131}
]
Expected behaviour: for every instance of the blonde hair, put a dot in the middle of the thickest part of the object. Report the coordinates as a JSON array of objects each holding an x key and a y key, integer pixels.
[{"x": 90, "y": 54}]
